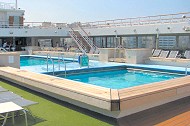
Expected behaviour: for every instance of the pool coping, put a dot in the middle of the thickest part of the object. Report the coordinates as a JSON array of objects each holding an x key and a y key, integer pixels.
[{"x": 110, "y": 102}]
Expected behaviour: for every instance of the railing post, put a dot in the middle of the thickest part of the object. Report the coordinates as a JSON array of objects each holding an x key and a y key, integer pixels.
[
  {"x": 47, "y": 62},
  {"x": 160, "y": 19},
  {"x": 186, "y": 70},
  {"x": 65, "y": 70},
  {"x": 171, "y": 20},
  {"x": 53, "y": 66},
  {"x": 59, "y": 60}
]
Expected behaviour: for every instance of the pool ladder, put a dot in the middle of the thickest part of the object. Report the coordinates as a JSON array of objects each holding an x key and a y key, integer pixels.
[
  {"x": 61, "y": 57},
  {"x": 186, "y": 70},
  {"x": 49, "y": 57}
]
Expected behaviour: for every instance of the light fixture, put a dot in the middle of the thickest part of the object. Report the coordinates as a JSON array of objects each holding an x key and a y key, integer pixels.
[
  {"x": 55, "y": 31},
  {"x": 183, "y": 16}
]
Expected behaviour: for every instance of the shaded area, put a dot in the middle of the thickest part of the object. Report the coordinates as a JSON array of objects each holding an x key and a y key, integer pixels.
[
  {"x": 175, "y": 113},
  {"x": 20, "y": 120}
]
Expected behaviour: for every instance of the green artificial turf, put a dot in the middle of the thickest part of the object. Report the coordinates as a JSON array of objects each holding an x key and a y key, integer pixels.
[{"x": 52, "y": 112}]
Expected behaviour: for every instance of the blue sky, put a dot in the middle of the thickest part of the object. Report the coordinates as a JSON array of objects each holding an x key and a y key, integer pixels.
[{"x": 94, "y": 10}]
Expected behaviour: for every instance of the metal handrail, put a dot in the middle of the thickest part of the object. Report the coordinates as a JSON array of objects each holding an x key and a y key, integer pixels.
[
  {"x": 63, "y": 60},
  {"x": 49, "y": 56},
  {"x": 4, "y": 5},
  {"x": 77, "y": 41},
  {"x": 174, "y": 18},
  {"x": 186, "y": 71},
  {"x": 87, "y": 39},
  {"x": 130, "y": 21}
]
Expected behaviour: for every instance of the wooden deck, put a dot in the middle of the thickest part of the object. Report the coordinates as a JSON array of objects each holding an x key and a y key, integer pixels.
[{"x": 176, "y": 113}]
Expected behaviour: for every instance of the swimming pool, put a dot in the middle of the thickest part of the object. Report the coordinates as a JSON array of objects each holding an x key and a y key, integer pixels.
[
  {"x": 109, "y": 76},
  {"x": 115, "y": 103},
  {"x": 119, "y": 79}
]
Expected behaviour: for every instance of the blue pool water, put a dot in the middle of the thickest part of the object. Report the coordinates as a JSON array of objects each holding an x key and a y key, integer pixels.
[
  {"x": 33, "y": 61},
  {"x": 121, "y": 79},
  {"x": 38, "y": 64}
]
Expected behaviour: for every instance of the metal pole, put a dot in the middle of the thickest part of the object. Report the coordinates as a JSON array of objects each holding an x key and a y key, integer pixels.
[
  {"x": 53, "y": 66},
  {"x": 157, "y": 38},
  {"x": 47, "y": 62},
  {"x": 16, "y": 4},
  {"x": 186, "y": 70},
  {"x": 65, "y": 69},
  {"x": 115, "y": 50},
  {"x": 59, "y": 60}
]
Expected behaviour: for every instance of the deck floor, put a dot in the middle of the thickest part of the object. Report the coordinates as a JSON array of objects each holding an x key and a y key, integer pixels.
[{"x": 176, "y": 113}]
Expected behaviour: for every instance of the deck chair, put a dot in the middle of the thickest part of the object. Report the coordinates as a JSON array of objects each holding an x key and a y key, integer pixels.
[
  {"x": 19, "y": 101},
  {"x": 173, "y": 54},
  {"x": 11, "y": 97},
  {"x": 3, "y": 89},
  {"x": 163, "y": 54},
  {"x": 156, "y": 52},
  {"x": 187, "y": 54},
  {"x": 8, "y": 95},
  {"x": 153, "y": 51}
]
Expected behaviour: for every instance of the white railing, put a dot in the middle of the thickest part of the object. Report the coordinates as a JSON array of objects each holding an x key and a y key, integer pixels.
[
  {"x": 158, "y": 19},
  {"x": 7, "y": 5},
  {"x": 77, "y": 41},
  {"x": 127, "y": 22},
  {"x": 28, "y": 25},
  {"x": 89, "y": 41}
]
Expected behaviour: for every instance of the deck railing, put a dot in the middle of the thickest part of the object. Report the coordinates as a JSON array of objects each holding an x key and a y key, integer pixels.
[
  {"x": 158, "y": 19},
  {"x": 7, "y": 5},
  {"x": 127, "y": 22}
]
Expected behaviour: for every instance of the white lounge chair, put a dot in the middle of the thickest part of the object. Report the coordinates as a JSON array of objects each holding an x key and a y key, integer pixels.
[
  {"x": 153, "y": 51},
  {"x": 10, "y": 96},
  {"x": 156, "y": 53},
  {"x": 173, "y": 54},
  {"x": 3, "y": 89},
  {"x": 187, "y": 54},
  {"x": 163, "y": 54}
]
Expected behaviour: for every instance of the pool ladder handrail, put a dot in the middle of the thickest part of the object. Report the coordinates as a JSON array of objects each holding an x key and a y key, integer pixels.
[
  {"x": 186, "y": 72},
  {"x": 49, "y": 57},
  {"x": 63, "y": 60},
  {"x": 76, "y": 55}
]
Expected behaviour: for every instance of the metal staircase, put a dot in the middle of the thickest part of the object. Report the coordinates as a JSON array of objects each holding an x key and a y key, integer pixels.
[
  {"x": 93, "y": 48},
  {"x": 77, "y": 40},
  {"x": 83, "y": 41}
]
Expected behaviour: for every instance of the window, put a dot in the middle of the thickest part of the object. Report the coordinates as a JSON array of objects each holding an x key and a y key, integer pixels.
[{"x": 167, "y": 42}]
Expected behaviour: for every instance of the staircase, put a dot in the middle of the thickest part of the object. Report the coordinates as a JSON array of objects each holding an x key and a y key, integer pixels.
[
  {"x": 83, "y": 40},
  {"x": 77, "y": 40}
]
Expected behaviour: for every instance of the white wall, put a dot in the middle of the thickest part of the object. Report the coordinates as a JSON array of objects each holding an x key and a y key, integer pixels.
[
  {"x": 140, "y": 30},
  {"x": 30, "y": 32}
]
